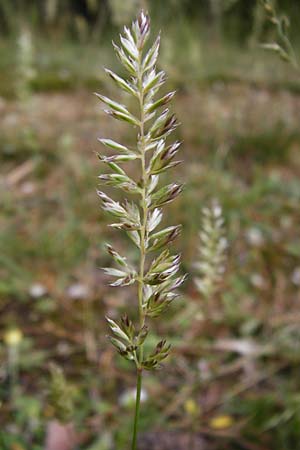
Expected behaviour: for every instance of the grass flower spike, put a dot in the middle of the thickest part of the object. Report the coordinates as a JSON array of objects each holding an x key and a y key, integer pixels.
[
  {"x": 282, "y": 44},
  {"x": 212, "y": 248},
  {"x": 156, "y": 276}
]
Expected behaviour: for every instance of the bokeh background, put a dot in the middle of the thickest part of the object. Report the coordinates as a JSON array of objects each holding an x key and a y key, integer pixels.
[{"x": 232, "y": 381}]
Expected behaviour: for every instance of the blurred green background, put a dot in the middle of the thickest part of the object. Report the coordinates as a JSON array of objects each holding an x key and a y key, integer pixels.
[{"x": 232, "y": 381}]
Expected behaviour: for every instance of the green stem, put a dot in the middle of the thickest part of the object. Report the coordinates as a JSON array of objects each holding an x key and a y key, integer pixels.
[
  {"x": 143, "y": 237},
  {"x": 137, "y": 408},
  {"x": 143, "y": 205}
]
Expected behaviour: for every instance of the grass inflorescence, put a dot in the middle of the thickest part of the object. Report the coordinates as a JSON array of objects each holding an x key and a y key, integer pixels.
[{"x": 156, "y": 277}]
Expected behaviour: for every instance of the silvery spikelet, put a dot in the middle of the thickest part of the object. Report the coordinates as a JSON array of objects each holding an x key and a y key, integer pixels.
[
  {"x": 156, "y": 276},
  {"x": 212, "y": 247}
]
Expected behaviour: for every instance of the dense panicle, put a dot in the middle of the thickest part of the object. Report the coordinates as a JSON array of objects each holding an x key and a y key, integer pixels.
[
  {"x": 153, "y": 125},
  {"x": 212, "y": 257},
  {"x": 156, "y": 276}
]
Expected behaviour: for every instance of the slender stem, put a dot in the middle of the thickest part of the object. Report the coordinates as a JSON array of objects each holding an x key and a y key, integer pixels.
[
  {"x": 143, "y": 203},
  {"x": 143, "y": 237},
  {"x": 137, "y": 408}
]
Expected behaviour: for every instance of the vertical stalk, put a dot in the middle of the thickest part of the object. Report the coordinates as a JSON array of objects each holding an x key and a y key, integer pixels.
[
  {"x": 137, "y": 408},
  {"x": 142, "y": 250}
]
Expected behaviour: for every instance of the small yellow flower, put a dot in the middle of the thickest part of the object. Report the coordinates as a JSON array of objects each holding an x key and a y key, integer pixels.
[
  {"x": 220, "y": 422},
  {"x": 13, "y": 337},
  {"x": 191, "y": 407}
]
